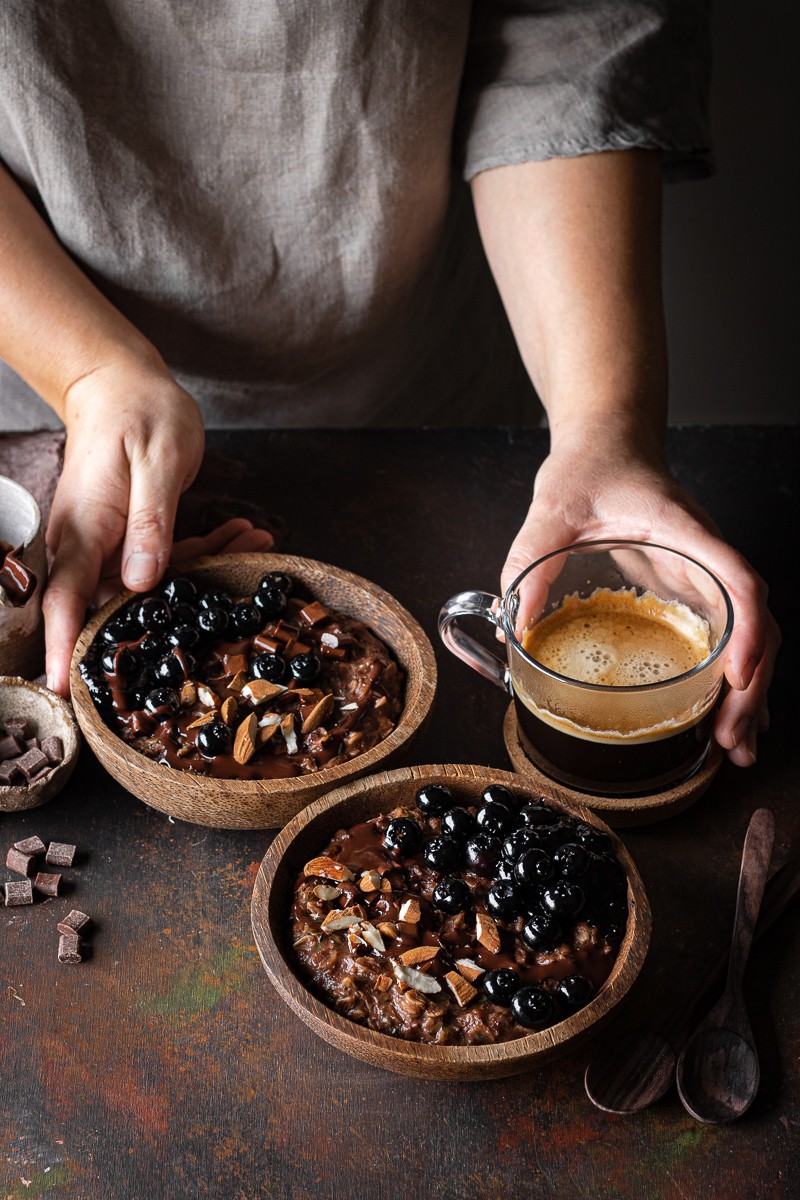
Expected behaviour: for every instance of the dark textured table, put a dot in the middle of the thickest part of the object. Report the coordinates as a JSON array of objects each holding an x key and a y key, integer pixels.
[{"x": 165, "y": 1066}]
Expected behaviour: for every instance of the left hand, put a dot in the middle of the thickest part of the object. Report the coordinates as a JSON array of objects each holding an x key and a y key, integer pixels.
[{"x": 595, "y": 491}]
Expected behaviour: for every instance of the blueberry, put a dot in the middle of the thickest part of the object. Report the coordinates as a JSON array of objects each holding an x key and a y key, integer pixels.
[
  {"x": 593, "y": 839},
  {"x": 434, "y": 799},
  {"x": 99, "y": 692},
  {"x": 503, "y": 899},
  {"x": 270, "y": 667},
  {"x": 170, "y": 671},
  {"x": 495, "y": 819},
  {"x": 459, "y": 822},
  {"x": 443, "y": 853},
  {"x": 534, "y": 867},
  {"x": 184, "y": 614},
  {"x": 532, "y": 1006},
  {"x": 305, "y": 667},
  {"x": 571, "y": 861},
  {"x": 184, "y": 636},
  {"x": 505, "y": 869},
  {"x": 518, "y": 842},
  {"x": 501, "y": 985},
  {"x": 497, "y": 794},
  {"x": 451, "y": 895},
  {"x": 161, "y": 701},
  {"x": 537, "y": 814},
  {"x": 179, "y": 591},
  {"x": 245, "y": 620},
  {"x": 212, "y": 622},
  {"x": 214, "y": 739},
  {"x": 215, "y": 599},
  {"x": 402, "y": 836},
  {"x": 276, "y": 579},
  {"x": 573, "y": 992},
  {"x": 482, "y": 853},
  {"x": 155, "y": 616},
  {"x": 153, "y": 647},
  {"x": 542, "y": 932},
  {"x": 123, "y": 663},
  {"x": 269, "y": 601},
  {"x": 114, "y": 631},
  {"x": 135, "y": 698},
  {"x": 563, "y": 898}
]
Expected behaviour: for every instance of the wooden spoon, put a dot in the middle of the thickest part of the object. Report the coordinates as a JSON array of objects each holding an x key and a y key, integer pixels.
[
  {"x": 636, "y": 1068},
  {"x": 718, "y": 1071}
]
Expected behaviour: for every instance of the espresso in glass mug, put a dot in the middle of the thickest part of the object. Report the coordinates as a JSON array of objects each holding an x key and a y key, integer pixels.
[{"x": 614, "y": 661}]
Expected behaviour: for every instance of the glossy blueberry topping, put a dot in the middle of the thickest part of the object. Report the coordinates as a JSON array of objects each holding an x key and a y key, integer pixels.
[
  {"x": 501, "y": 985},
  {"x": 270, "y": 601},
  {"x": 443, "y": 853},
  {"x": 434, "y": 799},
  {"x": 451, "y": 895},
  {"x": 573, "y": 993},
  {"x": 245, "y": 620},
  {"x": 459, "y": 822},
  {"x": 403, "y": 836},
  {"x": 481, "y": 854},
  {"x": 305, "y": 667},
  {"x": 270, "y": 667},
  {"x": 532, "y": 1006},
  {"x": 179, "y": 591},
  {"x": 214, "y": 739}
]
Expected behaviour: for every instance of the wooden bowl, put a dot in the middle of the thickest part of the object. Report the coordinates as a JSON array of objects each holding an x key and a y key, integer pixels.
[
  {"x": 264, "y": 803},
  {"x": 49, "y": 715},
  {"x": 308, "y": 834}
]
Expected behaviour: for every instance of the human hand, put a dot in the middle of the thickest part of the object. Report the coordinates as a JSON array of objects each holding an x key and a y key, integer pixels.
[
  {"x": 598, "y": 490},
  {"x": 134, "y": 444}
]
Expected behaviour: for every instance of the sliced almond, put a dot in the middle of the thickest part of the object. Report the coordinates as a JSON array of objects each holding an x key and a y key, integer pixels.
[
  {"x": 410, "y": 911},
  {"x": 206, "y": 696},
  {"x": 229, "y": 710},
  {"x": 238, "y": 682},
  {"x": 343, "y": 918},
  {"x": 185, "y": 751},
  {"x": 370, "y": 881},
  {"x": 265, "y": 732},
  {"x": 328, "y": 868},
  {"x": 289, "y": 735},
  {"x": 388, "y": 929},
  {"x": 383, "y": 983},
  {"x": 305, "y": 937},
  {"x": 324, "y": 891},
  {"x": 258, "y": 691},
  {"x": 244, "y": 745},
  {"x": 322, "y": 709},
  {"x": 372, "y": 936},
  {"x": 486, "y": 932},
  {"x": 386, "y": 886},
  {"x": 415, "y": 979},
  {"x": 461, "y": 988},
  {"x": 188, "y": 694},
  {"x": 419, "y": 954},
  {"x": 379, "y": 702},
  {"x": 354, "y": 938},
  {"x": 469, "y": 970},
  {"x": 202, "y": 720}
]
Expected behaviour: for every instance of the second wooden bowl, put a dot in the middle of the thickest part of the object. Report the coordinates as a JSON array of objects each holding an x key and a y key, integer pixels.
[
  {"x": 308, "y": 834},
  {"x": 264, "y": 803}
]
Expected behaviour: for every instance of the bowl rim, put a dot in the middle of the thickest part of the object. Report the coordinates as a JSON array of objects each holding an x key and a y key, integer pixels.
[
  {"x": 412, "y": 716},
  {"x": 369, "y": 1044}
]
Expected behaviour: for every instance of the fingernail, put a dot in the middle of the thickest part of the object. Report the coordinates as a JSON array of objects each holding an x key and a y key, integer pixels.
[
  {"x": 139, "y": 568},
  {"x": 739, "y": 730},
  {"x": 49, "y": 681},
  {"x": 746, "y": 675}
]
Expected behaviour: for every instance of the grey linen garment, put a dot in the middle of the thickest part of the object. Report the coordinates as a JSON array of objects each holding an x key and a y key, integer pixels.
[{"x": 272, "y": 190}]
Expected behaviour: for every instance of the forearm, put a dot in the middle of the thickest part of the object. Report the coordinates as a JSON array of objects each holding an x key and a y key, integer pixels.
[
  {"x": 574, "y": 246},
  {"x": 55, "y": 326}
]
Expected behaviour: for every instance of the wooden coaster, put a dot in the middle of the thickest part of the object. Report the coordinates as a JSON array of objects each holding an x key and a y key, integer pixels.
[{"x": 618, "y": 811}]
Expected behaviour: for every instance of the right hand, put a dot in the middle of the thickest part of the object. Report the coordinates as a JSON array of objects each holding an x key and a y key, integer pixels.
[{"x": 134, "y": 443}]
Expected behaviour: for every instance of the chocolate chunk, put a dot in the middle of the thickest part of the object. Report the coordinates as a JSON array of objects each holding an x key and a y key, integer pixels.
[
  {"x": 11, "y": 746},
  {"x": 10, "y": 772},
  {"x": 18, "y": 726},
  {"x": 313, "y": 613},
  {"x": 69, "y": 948},
  {"x": 33, "y": 743},
  {"x": 32, "y": 762},
  {"x": 60, "y": 854},
  {"x": 47, "y": 883},
  {"x": 43, "y": 774},
  {"x": 19, "y": 892},
  {"x": 73, "y": 922},
  {"x": 31, "y": 845},
  {"x": 17, "y": 860},
  {"x": 53, "y": 747}
]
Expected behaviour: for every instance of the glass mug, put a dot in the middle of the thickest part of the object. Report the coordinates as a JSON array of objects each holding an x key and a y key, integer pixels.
[{"x": 614, "y": 660}]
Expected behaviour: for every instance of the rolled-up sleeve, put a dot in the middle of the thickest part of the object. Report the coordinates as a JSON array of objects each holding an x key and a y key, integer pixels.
[{"x": 559, "y": 78}]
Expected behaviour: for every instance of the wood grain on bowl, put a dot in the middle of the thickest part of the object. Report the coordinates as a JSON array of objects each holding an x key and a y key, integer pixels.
[
  {"x": 265, "y": 803},
  {"x": 49, "y": 716},
  {"x": 306, "y": 836}
]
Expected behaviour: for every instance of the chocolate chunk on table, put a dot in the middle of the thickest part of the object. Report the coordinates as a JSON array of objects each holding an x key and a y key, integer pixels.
[
  {"x": 47, "y": 883},
  {"x": 69, "y": 948},
  {"x": 32, "y": 762},
  {"x": 60, "y": 854},
  {"x": 73, "y": 922},
  {"x": 19, "y": 861},
  {"x": 32, "y": 845},
  {"x": 19, "y": 892}
]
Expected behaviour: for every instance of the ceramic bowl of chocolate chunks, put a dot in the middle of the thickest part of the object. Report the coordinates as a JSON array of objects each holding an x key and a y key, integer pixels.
[
  {"x": 448, "y": 922},
  {"x": 247, "y": 685},
  {"x": 39, "y": 744}
]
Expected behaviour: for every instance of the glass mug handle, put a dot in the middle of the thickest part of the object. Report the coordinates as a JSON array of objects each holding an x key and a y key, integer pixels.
[{"x": 474, "y": 604}]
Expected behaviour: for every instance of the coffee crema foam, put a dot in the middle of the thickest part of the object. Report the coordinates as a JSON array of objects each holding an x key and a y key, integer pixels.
[{"x": 619, "y": 639}]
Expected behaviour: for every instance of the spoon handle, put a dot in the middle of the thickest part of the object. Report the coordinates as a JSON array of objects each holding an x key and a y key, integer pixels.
[{"x": 756, "y": 855}]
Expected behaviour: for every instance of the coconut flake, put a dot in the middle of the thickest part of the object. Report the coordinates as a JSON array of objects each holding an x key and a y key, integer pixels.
[{"x": 415, "y": 979}]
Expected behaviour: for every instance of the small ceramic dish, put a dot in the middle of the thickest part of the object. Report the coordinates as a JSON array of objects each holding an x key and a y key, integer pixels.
[
  {"x": 306, "y": 837},
  {"x": 49, "y": 715},
  {"x": 265, "y": 803}
]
